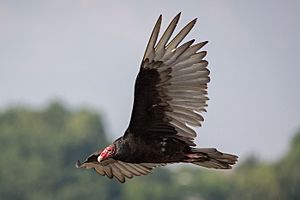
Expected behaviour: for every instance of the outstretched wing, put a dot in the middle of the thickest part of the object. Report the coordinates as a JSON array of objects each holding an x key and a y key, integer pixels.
[
  {"x": 171, "y": 87},
  {"x": 118, "y": 169}
]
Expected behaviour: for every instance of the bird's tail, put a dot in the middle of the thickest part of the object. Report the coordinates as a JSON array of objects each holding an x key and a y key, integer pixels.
[{"x": 211, "y": 158}]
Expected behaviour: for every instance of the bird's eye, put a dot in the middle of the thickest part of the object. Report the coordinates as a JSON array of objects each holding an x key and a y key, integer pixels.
[{"x": 109, "y": 150}]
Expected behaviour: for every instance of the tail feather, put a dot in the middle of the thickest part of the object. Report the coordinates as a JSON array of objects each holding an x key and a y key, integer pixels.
[{"x": 212, "y": 158}]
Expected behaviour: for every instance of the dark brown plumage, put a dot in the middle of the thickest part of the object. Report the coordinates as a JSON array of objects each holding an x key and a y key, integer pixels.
[{"x": 170, "y": 93}]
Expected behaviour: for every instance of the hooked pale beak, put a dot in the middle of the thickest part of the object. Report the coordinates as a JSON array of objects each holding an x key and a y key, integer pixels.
[{"x": 100, "y": 158}]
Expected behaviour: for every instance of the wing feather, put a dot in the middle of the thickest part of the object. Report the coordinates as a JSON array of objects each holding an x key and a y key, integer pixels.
[
  {"x": 171, "y": 87},
  {"x": 153, "y": 38},
  {"x": 180, "y": 36},
  {"x": 118, "y": 169},
  {"x": 160, "y": 47}
]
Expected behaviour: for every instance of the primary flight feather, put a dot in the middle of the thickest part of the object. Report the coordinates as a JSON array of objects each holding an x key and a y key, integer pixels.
[{"x": 170, "y": 95}]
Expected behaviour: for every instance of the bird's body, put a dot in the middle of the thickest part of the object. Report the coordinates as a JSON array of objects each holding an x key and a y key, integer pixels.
[
  {"x": 155, "y": 150},
  {"x": 159, "y": 150},
  {"x": 170, "y": 94}
]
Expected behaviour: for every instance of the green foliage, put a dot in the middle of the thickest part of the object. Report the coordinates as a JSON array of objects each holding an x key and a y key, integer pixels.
[
  {"x": 288, "y": 171},
  {"x": 39, "y": 149},
  {"x": 256, "y": 182}
]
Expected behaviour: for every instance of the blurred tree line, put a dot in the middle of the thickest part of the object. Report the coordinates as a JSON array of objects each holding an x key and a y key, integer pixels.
[{"x": 38, "y": 150}]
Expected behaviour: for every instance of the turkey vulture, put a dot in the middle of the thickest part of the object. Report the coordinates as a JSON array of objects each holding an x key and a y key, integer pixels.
[{"x": 170, "y": 93}]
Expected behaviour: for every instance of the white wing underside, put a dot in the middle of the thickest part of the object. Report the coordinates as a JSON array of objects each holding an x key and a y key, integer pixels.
[
  {"x": 183, "y": 77},
  {"x": 120, "y": 170}
]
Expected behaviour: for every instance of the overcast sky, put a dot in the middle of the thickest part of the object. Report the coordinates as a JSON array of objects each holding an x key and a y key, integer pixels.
[{"x": 87, "y": 52}]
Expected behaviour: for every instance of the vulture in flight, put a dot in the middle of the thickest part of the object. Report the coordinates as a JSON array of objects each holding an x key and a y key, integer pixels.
[{"x": 170, "y": 95}]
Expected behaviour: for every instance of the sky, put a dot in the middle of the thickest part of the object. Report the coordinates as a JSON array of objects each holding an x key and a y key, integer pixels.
[{"x": 88, "y": 52}]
